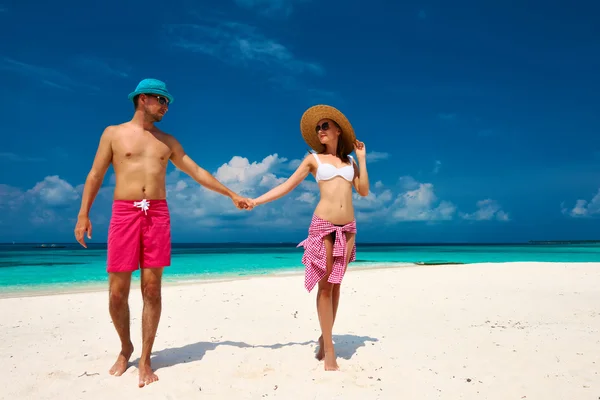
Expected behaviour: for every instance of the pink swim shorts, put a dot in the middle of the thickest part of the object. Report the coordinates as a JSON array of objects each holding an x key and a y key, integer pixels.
[{"x": 139, "y": 235}]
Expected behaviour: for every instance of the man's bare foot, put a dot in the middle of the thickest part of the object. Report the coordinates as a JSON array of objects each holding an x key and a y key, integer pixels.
[
  {"x": 331, "y": 362},
  {"x": 321, "y": 353},
  {"x": 147, "y": 376},
  {"x": 120, "y": 366}
]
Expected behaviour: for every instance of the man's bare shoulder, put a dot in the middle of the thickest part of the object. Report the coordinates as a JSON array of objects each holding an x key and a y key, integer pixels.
[
  {"x": 112, "y": 130},
  {"x": 167, "y": 138},
  {"x": 161, "y": 133}
]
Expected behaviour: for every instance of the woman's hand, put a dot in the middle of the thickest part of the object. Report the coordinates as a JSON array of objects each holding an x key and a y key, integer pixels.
[{"x": 359, "y": 148}]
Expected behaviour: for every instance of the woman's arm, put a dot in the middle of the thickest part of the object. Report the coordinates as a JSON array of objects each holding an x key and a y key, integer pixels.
[
  {"x": 361, "y": 176},
  {"x": 290, "y": 184}
]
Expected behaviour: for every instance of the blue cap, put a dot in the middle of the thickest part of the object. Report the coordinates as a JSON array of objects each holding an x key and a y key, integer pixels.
[{"x": 152, "y": 86}]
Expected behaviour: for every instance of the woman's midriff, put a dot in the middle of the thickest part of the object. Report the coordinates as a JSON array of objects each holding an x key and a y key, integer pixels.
[{"x": 335, "y": 205}]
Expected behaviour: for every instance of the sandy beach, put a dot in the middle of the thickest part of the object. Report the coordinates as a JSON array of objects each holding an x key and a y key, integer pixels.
[{"x": 481, "y": 331}]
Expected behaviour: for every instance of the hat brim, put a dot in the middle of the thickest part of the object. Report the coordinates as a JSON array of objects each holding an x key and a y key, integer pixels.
[
  {"x": 152, "y": 91},
  {"x": 311, "y": 118}
]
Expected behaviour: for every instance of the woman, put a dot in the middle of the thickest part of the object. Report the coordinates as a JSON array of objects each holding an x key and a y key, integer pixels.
[{"x": 330, "y": 245}]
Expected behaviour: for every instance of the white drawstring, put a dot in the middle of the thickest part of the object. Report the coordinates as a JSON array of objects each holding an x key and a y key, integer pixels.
[{"x": 143, "y": 205}]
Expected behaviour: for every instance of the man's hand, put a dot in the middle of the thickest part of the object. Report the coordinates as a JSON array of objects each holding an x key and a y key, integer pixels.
[
  {"x": 83, "y": 225},
  {"x": 242, "y": 203}
]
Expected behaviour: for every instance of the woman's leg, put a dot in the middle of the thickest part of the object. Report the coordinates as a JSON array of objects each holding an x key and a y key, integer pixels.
[
  {"x": 350, "y": 238},
  {"x": 335, "y": 295},
  {"x": 325, "y": 312}
]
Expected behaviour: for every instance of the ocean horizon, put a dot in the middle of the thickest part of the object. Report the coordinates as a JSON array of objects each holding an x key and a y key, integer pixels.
[{"x": 60, "y": 266}]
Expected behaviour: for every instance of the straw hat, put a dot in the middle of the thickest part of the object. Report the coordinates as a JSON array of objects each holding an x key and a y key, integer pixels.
[{"x": 313, "y": 115}]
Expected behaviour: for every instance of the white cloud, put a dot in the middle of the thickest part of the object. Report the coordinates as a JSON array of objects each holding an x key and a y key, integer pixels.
[
  {"x": 55, "y": 201},
  {"x": 307, "y": 197},
  {"x": 51, "y": 202},
  {"x": 240, "y": 170},
  {"x": 180, "y": 185},
  {"x": 202, "y": 207},
  {"x": 413, "y": 201},
  {"x": 270, "y": 181},
  {"x": 375, "y": 156},
  {"x": 421, "y": 204},
  {"x": 294, "y": 164},
  {"x": 245, "y": 46},
  {"x": 408, "y": 182},
  {"x": 438, "y": 165},
  {"x": 53, "y": 191},
  {"x": 11, "y": 198},
  {"x": 417, "y": 201},
  {"x": 487, "y": 209},
  {"x": 583, "y": 208},
  {"x": 44, "y": 216},
  {"x": 239, "y": 44},
  {"x": 373, "y": 201}
]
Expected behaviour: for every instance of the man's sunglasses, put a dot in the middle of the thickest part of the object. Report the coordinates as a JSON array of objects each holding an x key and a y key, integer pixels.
[
  {"x": 324, "y": 127},
  {"x": 161, "y": 100}
]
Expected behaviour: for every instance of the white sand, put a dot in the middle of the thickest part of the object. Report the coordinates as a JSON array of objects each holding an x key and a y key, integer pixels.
[{"x": 486, "y": 331}]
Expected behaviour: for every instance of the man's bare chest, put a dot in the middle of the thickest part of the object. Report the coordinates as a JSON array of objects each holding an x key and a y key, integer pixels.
[{"x": 138, "y": 148}]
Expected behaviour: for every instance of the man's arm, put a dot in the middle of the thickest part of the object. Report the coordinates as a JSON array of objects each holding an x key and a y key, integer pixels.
[
  {"x": 95, "y": 177},
  {"x": 92, "y": 185},
  {"x": 184, "y": 162}
]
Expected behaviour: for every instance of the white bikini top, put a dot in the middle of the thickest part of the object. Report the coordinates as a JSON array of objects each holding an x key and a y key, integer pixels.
[{"x": 326, "y": 171}]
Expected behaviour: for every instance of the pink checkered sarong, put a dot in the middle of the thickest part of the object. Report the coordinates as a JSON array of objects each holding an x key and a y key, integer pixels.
[{"x": 315, "y": 256}]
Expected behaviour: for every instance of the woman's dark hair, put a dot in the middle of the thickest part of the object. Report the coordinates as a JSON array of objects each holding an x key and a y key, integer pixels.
[{"x": 341, "y": 152}]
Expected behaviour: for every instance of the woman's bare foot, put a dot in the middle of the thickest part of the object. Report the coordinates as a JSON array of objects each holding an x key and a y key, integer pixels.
[
  {"x": 321, "y": 352},
  {"x": 120, "y": 366},
  {"x": 147, "y": 376},
  {"x": 331, "y": 362}
]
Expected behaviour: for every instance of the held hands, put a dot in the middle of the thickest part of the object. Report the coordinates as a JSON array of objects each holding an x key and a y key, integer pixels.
[
  {"x": 359, "y": 148},
  {"x": 242, "y": 203},
  {"x": 83, "y": 225}
]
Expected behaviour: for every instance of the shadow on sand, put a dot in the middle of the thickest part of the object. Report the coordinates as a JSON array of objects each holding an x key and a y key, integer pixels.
[{"x": 345, "y": 346}]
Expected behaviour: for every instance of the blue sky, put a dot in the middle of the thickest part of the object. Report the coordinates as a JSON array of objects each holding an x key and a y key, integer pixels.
[{"x": 481, "y": 122}]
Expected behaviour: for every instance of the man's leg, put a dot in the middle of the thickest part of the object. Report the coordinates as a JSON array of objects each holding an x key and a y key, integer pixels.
[
  {"x": 119, "y": 284},
  {"x": 151, "y": 294},
  {"x": 122, "y": 259},
  {"x": 155, "y": 256}
]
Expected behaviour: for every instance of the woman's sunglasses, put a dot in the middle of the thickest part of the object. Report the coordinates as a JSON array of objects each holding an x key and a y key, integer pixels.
[{"x": 324, "y": 127}]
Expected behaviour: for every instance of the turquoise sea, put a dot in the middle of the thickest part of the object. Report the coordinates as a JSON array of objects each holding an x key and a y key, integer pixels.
[{"x": 25, "y": 267}]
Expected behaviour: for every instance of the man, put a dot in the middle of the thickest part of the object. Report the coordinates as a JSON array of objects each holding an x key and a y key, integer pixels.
[{"x": 139, "y": 232}]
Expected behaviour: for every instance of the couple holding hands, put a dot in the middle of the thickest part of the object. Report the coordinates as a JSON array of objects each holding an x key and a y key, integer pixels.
[{"x": 139, "y": 233}]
